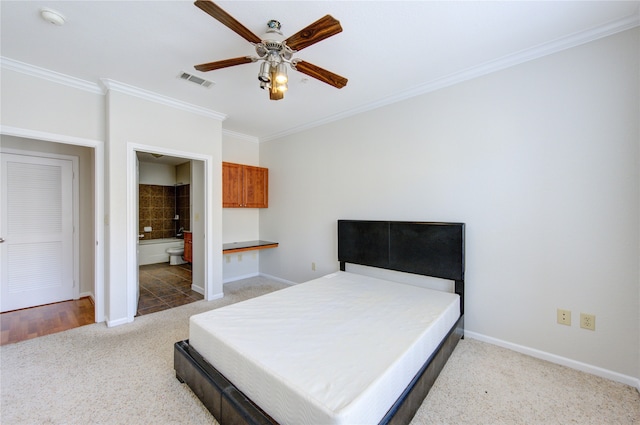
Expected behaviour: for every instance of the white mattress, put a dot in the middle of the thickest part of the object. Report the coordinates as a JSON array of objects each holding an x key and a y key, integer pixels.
[{"x": 335, "y": 350}]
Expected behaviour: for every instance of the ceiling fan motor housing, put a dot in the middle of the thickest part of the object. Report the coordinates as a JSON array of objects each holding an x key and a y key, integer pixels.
[{"x": 273, "y": 44}]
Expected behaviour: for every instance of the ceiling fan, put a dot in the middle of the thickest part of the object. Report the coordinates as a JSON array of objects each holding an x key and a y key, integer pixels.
[{"x": 275, "y": 52}]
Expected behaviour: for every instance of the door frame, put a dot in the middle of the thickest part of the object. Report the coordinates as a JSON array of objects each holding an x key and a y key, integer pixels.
[
  {"x": 98, "y": 200},
  {"x": 132, "y": 223},
  {"x": 75, "y": 206}
]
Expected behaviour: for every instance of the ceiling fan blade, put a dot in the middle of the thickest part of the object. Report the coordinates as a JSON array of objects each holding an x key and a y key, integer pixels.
[
  {"x": 218, "y": 13},
  {"x": 321, "y": 74},
  {"x": 223, "y": 63},
  {"x": 324, "y": 27}
]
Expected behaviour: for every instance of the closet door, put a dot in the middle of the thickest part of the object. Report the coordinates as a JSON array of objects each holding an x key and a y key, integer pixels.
[{"x": 37, "y": 231}]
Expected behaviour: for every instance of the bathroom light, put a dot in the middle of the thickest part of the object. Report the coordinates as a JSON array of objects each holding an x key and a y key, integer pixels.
[{"x": 50, "y": 15}]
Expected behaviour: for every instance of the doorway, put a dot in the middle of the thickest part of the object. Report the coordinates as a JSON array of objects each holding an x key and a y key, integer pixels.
[
  {"x": 164, "y": 222},
  {"x": 89, "y": 232},
  {"x": 206, "y": 224}
]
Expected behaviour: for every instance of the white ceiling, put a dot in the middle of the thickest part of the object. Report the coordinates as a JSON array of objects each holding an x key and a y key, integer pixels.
[{"x": 389, "y": 50}]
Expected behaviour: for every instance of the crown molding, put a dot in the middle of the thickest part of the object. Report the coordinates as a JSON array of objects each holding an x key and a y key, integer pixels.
[
  {"x": 523, "y": 56},
  {"x": 240, "y": 136},
  {"x": 46, "y": 74},
  {"x": 101, "y": 89},
  {"x": 48, "y": 137},
  {"x": 504, "y": 62},
  {"x": 113, "y": 85}
]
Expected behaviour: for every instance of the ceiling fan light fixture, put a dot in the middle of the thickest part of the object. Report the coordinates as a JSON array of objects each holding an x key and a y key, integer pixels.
[
  {"x": 281, "y": 74},
  {"x": 261, "y": 50},
  {"x": 265, "y": 73},
  {"x": 282, "y": 87}
]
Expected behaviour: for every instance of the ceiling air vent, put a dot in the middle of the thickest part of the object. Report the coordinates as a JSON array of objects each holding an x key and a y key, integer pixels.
[{"x": 197, "y": 80}]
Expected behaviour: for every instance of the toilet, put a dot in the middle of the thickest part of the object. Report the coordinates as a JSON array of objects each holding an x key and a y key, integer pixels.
[{"x": 175, "y": 256}]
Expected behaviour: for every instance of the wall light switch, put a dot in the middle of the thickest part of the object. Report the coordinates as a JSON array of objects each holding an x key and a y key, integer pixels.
[{"x": 147, "y": 228}]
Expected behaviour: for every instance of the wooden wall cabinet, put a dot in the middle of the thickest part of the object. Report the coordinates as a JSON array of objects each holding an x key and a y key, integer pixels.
[
  {"x": 188, "y": 247},
  {"x": 244, "y": 186}
]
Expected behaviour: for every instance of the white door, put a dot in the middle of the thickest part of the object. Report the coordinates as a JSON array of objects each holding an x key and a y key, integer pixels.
[
  {"x": 138, "y": 234},
  {"x": 36, "y": 229}
]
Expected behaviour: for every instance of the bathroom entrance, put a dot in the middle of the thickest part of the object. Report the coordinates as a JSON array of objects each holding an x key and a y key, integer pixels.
[{"x": 165, "y": 274}]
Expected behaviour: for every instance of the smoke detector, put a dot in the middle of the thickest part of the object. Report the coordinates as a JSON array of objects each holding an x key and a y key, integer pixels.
[{"x": 52, "y": 16}]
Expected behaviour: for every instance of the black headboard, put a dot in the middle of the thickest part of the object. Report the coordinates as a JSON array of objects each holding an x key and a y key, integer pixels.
[{"x": 425, "y": 248}]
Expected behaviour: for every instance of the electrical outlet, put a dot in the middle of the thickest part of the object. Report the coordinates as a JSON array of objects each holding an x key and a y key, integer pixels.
[
  {"x": 564, "y": 317},
  {"x": 313, "y": 266},
  {"x": 588, "y": 321}
]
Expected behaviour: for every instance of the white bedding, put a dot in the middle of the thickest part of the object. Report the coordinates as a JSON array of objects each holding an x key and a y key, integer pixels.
[{"x": 336, "y": 350}]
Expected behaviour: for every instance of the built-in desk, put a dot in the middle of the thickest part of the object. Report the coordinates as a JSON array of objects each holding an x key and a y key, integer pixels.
[{"x": 232, "y": 247}]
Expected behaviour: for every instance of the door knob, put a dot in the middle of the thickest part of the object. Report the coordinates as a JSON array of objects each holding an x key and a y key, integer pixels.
[{"x": 1, "y": 240}]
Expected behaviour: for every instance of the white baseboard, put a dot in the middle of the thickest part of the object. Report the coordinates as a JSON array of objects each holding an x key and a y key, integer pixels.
[
  {"x": 247, "y": 276},
  {"x": 268, "y": 276},
  {"x": 234, "y": 278},
  {"x": 87, "y": 294},
  {"x": 199, "y": 289},
  {"x": 573, "y": 364},
  {"x": 216, "y": 296},
  {"x": 118, "y": 322}
]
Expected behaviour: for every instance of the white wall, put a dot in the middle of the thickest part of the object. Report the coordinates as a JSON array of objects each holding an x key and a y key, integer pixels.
[
  {"x": 541, "y": 161},
  {"x": 59, "y": 118},
  {"x": 40, "y": 105},
  {"x": 135, "y": 123},
  {"x": 80, "y": 113},
  {"x": 198, "y": 192},
  {"x": 183, "y": 173},
  {"x": 157, "y": 174},
  {"x": 240, "y": 224}
]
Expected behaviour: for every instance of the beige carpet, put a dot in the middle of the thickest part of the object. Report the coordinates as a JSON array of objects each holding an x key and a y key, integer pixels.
[{"x": 124, "y": 375}]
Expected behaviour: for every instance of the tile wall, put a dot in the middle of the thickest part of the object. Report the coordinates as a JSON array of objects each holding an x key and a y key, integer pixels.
[
  {"x": 183, "y": 202},
  {"x": 158, "y": 206}
]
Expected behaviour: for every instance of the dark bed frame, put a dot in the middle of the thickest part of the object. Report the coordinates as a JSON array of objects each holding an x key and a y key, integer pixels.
[{"x": 424, "y": 248}]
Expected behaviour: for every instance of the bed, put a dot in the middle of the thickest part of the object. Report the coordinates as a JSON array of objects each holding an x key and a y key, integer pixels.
[{"x": 335, "y": 349}]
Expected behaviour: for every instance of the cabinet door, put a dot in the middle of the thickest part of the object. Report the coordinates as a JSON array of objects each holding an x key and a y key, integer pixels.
[
  {"x": 256, "y": 187},
  {"x": 188, "y": 247},
  {"x": 231, "y": 185}
]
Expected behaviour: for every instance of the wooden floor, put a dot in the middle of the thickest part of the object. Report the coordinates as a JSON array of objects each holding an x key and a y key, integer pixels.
[
  {"x": 20, "y": 325},
  {"x": 162, "y": 286}
]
